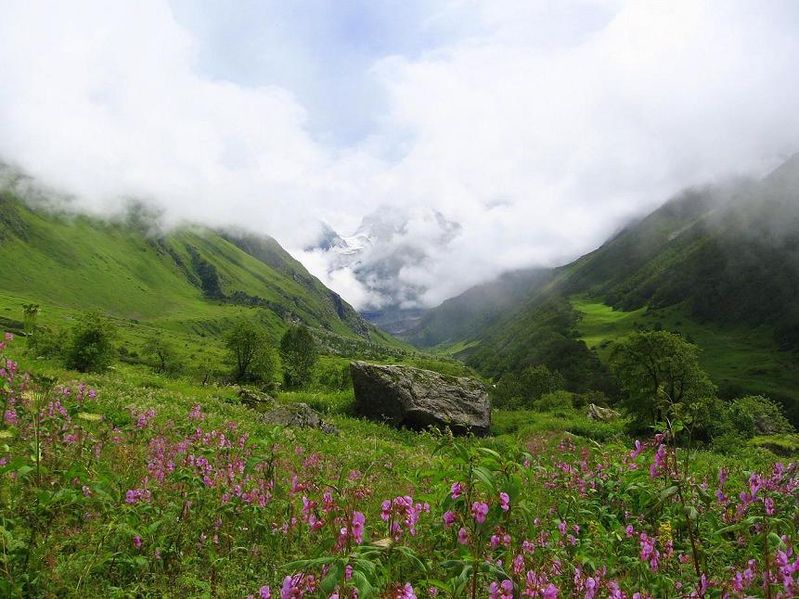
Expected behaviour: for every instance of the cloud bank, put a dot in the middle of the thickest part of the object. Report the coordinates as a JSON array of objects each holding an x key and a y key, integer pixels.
[{"x": 538, "y": 127}]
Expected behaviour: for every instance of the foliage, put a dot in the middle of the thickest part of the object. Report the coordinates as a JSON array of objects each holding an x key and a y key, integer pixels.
[
  {"x": 298, "y": 354},
  {"x": 661, "y": 378},
  {"x": 757, "y": 415},
  {"x": 47, "y": 342},
  {"x": 250, "y": 353},
  {"x": 135, "y": 492},
  {"x": 554, "y": 400},
  {"x": 163, "y": 353},
  {"x": 91, "y": 343},
  {"x": 524, "y": 389}
]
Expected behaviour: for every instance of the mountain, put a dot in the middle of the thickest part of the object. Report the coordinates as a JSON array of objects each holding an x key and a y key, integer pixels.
[
  {"x": 465, "y": 317},
  {"x": 388, "y": 243},
  {"x": 718, "y": 264},
  {"x": 190, "y": 278}
]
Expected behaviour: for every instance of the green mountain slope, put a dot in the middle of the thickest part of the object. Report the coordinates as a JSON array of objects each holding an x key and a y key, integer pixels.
[
  {"x": 464, "y": 317},
  {"x": 720, "y": 265},
  {"x": 188, "y": 279}
]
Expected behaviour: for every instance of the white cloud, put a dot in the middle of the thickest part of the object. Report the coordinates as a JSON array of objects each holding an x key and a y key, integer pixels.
[{"x": 539, "y": 128}]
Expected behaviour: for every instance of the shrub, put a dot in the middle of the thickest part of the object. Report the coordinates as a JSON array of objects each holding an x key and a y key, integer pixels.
[
  {"x": 522, "y": 390},
  {"x": 163, "y": 354},
  {"x": 757, "y": 415},
  {"x": 46, "y": 342},
  {"x": 299, "y": 355},
  {"x": 557, "y": 400},
  {"x": 250, "y": 353},
  {"x": 91, "y": 344}
]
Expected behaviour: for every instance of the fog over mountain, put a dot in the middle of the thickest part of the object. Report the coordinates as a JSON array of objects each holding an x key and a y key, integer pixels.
[{"x": 403, "y": 151}]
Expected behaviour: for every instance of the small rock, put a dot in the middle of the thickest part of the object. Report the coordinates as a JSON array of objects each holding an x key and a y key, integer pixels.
[
  {"x": 298, "y": 415},
  {"x": 601, "y": 414},
  {"x": 255, "y": 399}
]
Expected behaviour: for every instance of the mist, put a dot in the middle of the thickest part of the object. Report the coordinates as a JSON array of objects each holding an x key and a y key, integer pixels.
[{"x": 537, "y": 128}]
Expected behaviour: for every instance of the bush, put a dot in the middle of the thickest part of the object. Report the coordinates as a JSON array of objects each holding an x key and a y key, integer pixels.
[
  {"x": 91, "y": 344},
  {"x": 299, "y": 354},
  {"x": 523, "y": 390},
  {"x": 557, "y": 400},
  {"x": 163, "y": 354},
  {"x": 757, "y": 415},
  {"x": 249, "y": 351},
  {"x": 46, "y": 342}
]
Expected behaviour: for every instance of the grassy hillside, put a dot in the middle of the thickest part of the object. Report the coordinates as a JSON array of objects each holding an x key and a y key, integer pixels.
[
  {"x": 719, "y": 265},
  {"x": 189, "y": 280}
]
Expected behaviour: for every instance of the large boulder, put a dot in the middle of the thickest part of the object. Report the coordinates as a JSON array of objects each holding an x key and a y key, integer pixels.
[
  {"x": 416, "y": 398},
  {"x": 297, "y": 415}
]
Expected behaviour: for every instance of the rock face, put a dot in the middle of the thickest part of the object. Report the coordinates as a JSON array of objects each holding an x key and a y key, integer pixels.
[
  {"x": 298, "y": 415},
  {"x": 416, "y": 398}
]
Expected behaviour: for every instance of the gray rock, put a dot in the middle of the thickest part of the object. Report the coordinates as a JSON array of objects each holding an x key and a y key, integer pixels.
[
  {"x": 601, "y": 414},
  {"x": 298, "y": 415},
  {"x": 256, "y": 399},
  {"x": 416, "y": 398}
]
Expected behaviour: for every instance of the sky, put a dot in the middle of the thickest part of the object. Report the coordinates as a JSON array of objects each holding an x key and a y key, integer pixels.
[{"x": 538, "y": 127}]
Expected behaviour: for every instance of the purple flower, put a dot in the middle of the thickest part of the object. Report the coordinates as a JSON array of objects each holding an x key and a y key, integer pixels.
[
  {"x": 358, "y": 520},
  {"x": 463, "y": 536},
  {"x": 265, "y": 592},
  {"x": 137, "y": 542},
  {"x": 449, "y": 518},
  {"x": 456, "y": 490},
  {"x": 479, "y": 511},
  {"x": 504, "y": 501}
]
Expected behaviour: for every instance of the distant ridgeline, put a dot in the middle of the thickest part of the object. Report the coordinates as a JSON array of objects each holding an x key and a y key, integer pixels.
[
  {"x": 719, "y": 265},
  {"x": 187, "y": 278}
]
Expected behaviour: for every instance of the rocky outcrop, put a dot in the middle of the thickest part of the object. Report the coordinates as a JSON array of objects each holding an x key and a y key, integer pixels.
[
  {"x": 416, "y": 398},
  {"x": 601, "y": 414},
  {"x": 255, "y": 400},
  {"x": 297, "y": 415}
]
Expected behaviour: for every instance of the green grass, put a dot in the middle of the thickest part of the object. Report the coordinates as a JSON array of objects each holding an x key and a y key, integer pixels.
[{"x": 741, "y": 357}]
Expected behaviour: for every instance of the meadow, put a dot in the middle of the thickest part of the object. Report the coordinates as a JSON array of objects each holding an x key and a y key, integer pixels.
[{"x": 134, "y": 484}]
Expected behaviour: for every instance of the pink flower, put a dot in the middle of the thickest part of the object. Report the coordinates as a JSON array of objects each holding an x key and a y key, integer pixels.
[
  {"x": 550, "y": 592},
  {"x": 456, "y": 490},
  {"x": 479, "y": 511},
  {"x": 463, "y": 536},
  {"x": 405, "y": 592},
  {"x": 358, "y": 520},
  {"x": 504, "y": 501},
  {"x": 449, "y": 518},
  {"x": 137, "y": 542}
]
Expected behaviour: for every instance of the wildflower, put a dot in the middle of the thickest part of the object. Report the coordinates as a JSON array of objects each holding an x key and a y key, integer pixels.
[
  {"x": 265, "y": 592},
  {"x": 449, "y": 518},
  {"x": 504, "y": 501},
  {"x": 358, "y": 520},
  {"x": 463, "y": 536},
  {"x": 768, "y": 502},
  {"x": 456, "y": 490},
  {"x": 479, "y": 511},
  {"x": 137, "y": 542},
  {"x": 405, "y": 592}
]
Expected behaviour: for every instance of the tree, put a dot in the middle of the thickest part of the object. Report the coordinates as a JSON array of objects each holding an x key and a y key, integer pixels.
[
  {"x": 298, "y": 354},
  {"x": 660, "y": 378},
  {"x": 252, "y": 357},
  {"x": 163, "y": 353},
  {"x": 522, "y": 390},
  {"x": 91, "y": 343}
]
